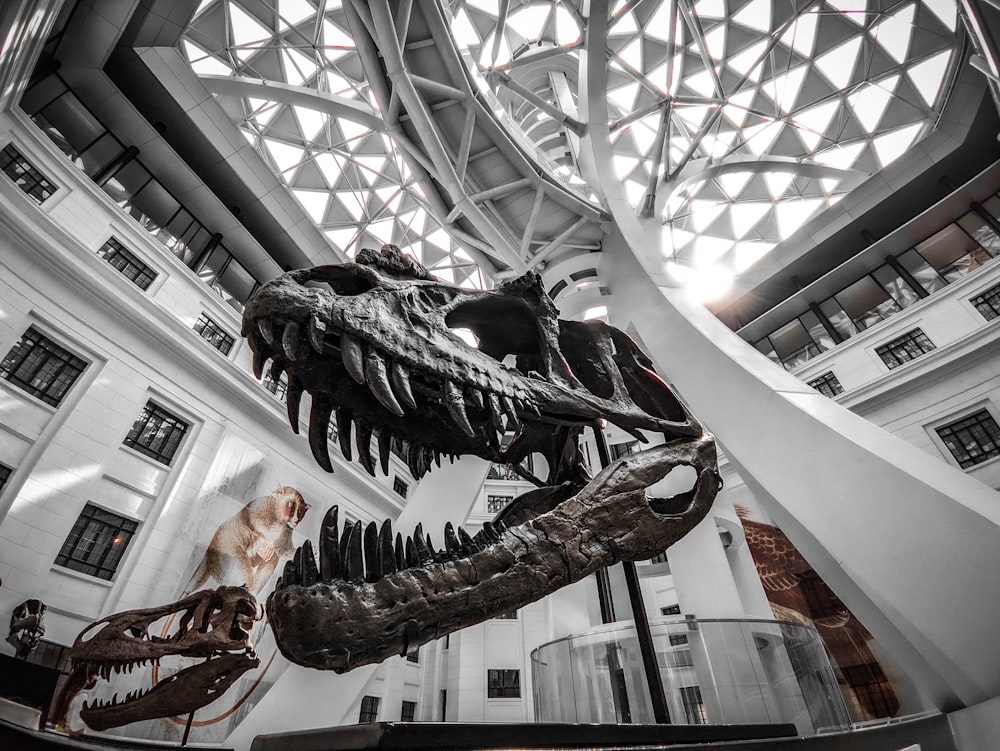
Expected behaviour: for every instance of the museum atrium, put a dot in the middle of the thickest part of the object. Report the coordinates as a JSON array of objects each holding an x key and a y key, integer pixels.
[{"x": 792, "y": 207}]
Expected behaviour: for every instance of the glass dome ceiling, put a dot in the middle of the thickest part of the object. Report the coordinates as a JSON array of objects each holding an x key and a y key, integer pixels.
[
  {"x": 733, "y": 121},
  {"x": 351, "y": 180}
]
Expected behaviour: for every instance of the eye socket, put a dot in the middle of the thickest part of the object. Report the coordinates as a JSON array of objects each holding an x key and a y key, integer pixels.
[
  {"x": 346, "y": 281},
  {"x": 502, "y": 327}
]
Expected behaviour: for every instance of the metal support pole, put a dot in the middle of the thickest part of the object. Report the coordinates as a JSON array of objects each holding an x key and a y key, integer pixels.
[{"x": 657, "y": 697}]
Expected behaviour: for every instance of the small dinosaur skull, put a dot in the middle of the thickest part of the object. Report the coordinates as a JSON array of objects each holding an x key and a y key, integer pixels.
[{"x": 210, "y": 624}]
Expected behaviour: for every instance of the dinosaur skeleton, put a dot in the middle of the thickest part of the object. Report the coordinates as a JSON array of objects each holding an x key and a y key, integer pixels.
[
  {"x": 374, "y": 343},
  {"x": 212, "y": 624}
]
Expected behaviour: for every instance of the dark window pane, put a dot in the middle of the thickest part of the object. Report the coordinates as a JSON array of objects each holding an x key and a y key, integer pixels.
[
  {"x": 923, "y": 272},
  {"x": 156, "y": 433},
  {"x": 97, "y": 542},
  {"x": 896, "y": 286},
  {"x": 983, "y": 234},
  {"x": 988, "y": 303},
  {"x": 400, "y": 487},
  {"x": 72, "y": 120},
  {"x": 908, "y": 347},
  {"x": 99, "y": 154},
  {"x": 369, "y": 710},
  {"x": 952, "y": 252},
  {"x": 839, "y": 319},
  {"x": 25, "y": 175},
  {"x": 973, "y": 439},
  {"x": 866, "y": 303},
  {"x": 503, "y": 684},
  {"x": 41, "y": 367},
  {"x": 827, "y": 384},
  {"x": 409, "y": 711},
  {"x": 235, "y": 284},
  {"x": 153, "y": 207},
  {"x": 5, "y": 473},
  {"x": 793, "y": 344},
  {"x": 497, "y": 503},
  {"x": 215, "y": 335},
  {"x": 127, "y": 263},
  {"x": 125, "y": 183},
  {"x": 41, "y": 94},
  {"x": 765, "y": 347}
]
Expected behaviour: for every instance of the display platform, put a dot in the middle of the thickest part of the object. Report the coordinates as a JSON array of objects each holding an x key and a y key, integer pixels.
[{"x": 926, "y": 734}]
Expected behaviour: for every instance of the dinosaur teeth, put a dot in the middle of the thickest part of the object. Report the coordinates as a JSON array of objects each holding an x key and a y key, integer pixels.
[
  {"x": 371, "y": 553},
  {"x": 401, "y": 381},
  {"x": 400, "y": 553},
  {"x": 364, "y": 439},
  {"x": 354, "y": 563},
  {"x": 293, "y": 401},
  {"x": 386, "y": 551},
  {"x": 316, "y": 331},
  {"x": 469, "y": 545},
  {"x": 306, "y": 564},
  {"x": 277, "y": 369},
  {"x": 353, "y": 356},
  {"x": 495, "y": 412},
  {"x": 289, "y": 575},
  {"x": 378, "y": 382},
  {"x": 412, "y": 557},
  {"x": 319, "y": 428},
  {"x": 455, "y": 403},
  {"x": 344, "y": 431},
  {"x": 329, "y": 548},
  {"x": 508, "y": 408},
  {"x": 451, "y": 543},
  {"x": 259, "y": 358},
  {"x": 266, "y": 328},
  {"x": 384, "y": 448},
  {"x": 291, "y": 341},
  {"x": 475, "y": 397}
]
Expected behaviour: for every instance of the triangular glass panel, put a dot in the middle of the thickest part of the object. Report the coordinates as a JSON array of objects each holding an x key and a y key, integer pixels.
[
  {"x": 927, "y": 76},
  {"x": 330, "y": 166},
  {"x": 890, "y": 146},
  {"x": 285, "y": 156},
  {"x": 567, "y": 29},
  {"x": 813, "y": 122},
  {"x": 314, "y": 202},
  {"x": 370, "y": 167},
  {"x": 634, "y": 190},
  {"x": 624, "y": 165},
  {"x": 715, "y": 42},
  {"x": 755, "y": 15},
  {"x": 262, "y": 110},
  {"x": 732, "y": 183},
  {"x": 778, "y": 182},
  {"x": 298, "y": 67},
  {"x": 624, "y": 96},
  {"x": 382, "y": 230},
  {"x": 291, "y": 12},
  {"x": 624, "y": 24},
  {"x": 644, "y": 132},
  {"x": 703, "y": 213},
  {"x": 854, "y": 10},
  {"x": 760, "y": 137},
  {"x": 310, "y": 121},
  {"x": 747, "y": 253},
  {"x": 701, "y": 83},
  {"x": 353, "y": 132},
  {"x": 529, "y": 21},
  {"x": 486, "y": 52},
  {"x": 784, "y": 88},
  {"x": 741, "y": 62},
  {"x": 308, "y": 177},
  {"x": 463, "y": 30},
  {"x": 391, "y": 196},
  {"x": 718, "y": 145},
  {"x": 248, "y": 34},
  {"x": 801, "y": 35},
  {"x": 203, "y": 63},
  {"x": 631, "y": 54},
  {"x": 842, "y": 156},
  {"x": 838, "y": 64},
  {"x": 829, "y": 183},
  {"x": 353, "y": 202},
  {"x": 343, "y": 238},
  {"x": 693, "y": 115},
  {"x": 869, "y": 102},
  {"x": 946, "y": 10},
  {"x": 791, "y": 215},
  {"x": 660, "y": 24},
  {"x": 745, "y": 214},
  {"x": 710, "y": 8},
  {"x": 706, "y": 250},
  {"x": 894, "y": 33}
]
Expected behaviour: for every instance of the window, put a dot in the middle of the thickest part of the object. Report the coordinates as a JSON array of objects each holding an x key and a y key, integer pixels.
[
  {"x": 413, "y": 655},
  {"x": 24, "y": 174},
  {"x": 503, "y": 684},
  {"x": 871, "y": 688},
  {"x": 973, "y": 439},
  {"x": 694, "y": 707},
  {"x": 369, "y": 710},
  {"x": 618, "y": 450},
  {"x": 97, "y": 542},
  {"x": 671, "y": 610},
  {"x": 827, "y": 384},
  {"x": 510, "y": 615},
  {"x": 497, "y": 503},
  {"x": 907, "y": 347},
  {"x": 953, "y": 253},
  {"x": 988, "y": 303},
  {"x": 215, "y": 335},
  {"x": 444, "y": 705},
  {"x": 679, "y": 658},
  {"x": 127, "y": 263},
  {"x": 279, "y": 387},
  {"x": 409, "y": 711},
  {"x": 41, "y": 367},
  {"x": 5, "y": 473},
  {"x": 677, "y": 640},
  {"x": 400, "y": 486},
  {"x": 156, "y": 433},
  {"x": 48, "y": 654}
]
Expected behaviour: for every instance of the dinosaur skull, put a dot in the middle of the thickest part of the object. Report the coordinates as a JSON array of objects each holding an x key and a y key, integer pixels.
[
  {"x": 210, "y": 624},
  {"x": 375, "y": 344}
]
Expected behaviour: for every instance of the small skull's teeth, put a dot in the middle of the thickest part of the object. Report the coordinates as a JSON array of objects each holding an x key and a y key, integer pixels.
[
  {"x": 412, "y": 556},
  {"x": 329, "y": 547},
  {"x": 436, "y": 556},
  {"x": 316, "y": 332},
  {"x": 278, "y": 365},
  {"x": 495, "y": 412},
  {"x": 400, "y": 553},
  {"x": 319, "y": 428},
  {"x": 354, "y": 563},
  {"x": 307, "y": 564},
  {"x": 413, "y": 460},
  {"x": 353, "y": 356},
  {"x": 489, "y": 532},
  {"x": 469, "y": 545},
  {"x": 371, "y": 552},
  {"x": 291, "y": 341},
  {"x": 451, "y": 544},
  {"x": 259, "y": 358},
  {"x": 266, "y": 328},
  {"x": 384, "y": 448},
  {"x": 289, "y": 575},
  {"x": 344, "y": 431},
  {"x": 475, "y": 397},
  {"x": 401, "y": 381},
  {"x": 378, "y": 382}
]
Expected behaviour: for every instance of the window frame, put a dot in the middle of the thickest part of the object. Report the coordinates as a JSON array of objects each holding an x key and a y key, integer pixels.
[
  {"x": 368, "y": 714},
  {"x": 136, "y": 432},
  {"x": 829, "y": 378},
  {"x": 218, "y": 337},
  {"x": 146, "y": 275},
  {"x": 985, "y": 299},
  {"x": 55, "y": 350},
  {"x": 65, "y": 556},
  {"x": 950, "y": 420},
  {"x": 497, "y": 685},
  {"x": 40, "y": 181},
  {"x": 914, "y": 334}
]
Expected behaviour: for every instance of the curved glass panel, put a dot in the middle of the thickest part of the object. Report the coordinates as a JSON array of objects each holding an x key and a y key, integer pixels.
[{"x": 713, "y": 672}]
